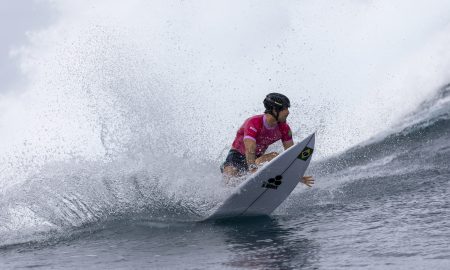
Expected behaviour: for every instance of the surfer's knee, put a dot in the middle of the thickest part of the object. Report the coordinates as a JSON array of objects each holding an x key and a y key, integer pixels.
[
  {"x": 230, "y": 175},
  {"x": 234, "y": 164},
  {"x": 266, "y": 157}
]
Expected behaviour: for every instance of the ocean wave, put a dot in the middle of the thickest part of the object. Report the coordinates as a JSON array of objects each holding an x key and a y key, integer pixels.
[{"x": 429, "y": 124}]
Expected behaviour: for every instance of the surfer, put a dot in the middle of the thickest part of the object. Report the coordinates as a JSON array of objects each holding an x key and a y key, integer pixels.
[{"x": 255, "y": 135}]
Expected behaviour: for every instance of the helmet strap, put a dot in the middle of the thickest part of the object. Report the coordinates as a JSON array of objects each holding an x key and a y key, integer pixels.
[{"x": 275, "y": 115}]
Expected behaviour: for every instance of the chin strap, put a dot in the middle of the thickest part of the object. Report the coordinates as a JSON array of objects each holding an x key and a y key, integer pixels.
[{"x": 276, "y": 116}]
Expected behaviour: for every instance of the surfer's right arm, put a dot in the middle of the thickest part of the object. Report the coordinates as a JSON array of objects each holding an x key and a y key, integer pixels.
[
  {"x": 252, "y": 128},
  {"x": 250, "y": 154}
]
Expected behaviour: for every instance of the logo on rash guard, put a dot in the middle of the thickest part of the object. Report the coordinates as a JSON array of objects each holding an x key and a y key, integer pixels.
[{"x": 254, "y": 129}]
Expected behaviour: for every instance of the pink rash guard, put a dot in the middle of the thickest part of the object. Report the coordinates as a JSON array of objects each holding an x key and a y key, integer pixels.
[{"x": 257, "y": 129}]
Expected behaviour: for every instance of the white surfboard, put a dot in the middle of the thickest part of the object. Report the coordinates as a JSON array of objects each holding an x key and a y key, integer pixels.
[{"x": 266, "y": 189}]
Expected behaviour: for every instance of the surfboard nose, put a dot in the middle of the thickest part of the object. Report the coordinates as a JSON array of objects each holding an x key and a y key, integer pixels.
[{"x": 312, "y": 139}]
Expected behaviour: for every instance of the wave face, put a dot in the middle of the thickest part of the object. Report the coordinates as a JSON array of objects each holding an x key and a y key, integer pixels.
[
  {"x": 412, "y": 160},
  {"x": 424, "y": 131},
  {"x": 124, "y": 113}
]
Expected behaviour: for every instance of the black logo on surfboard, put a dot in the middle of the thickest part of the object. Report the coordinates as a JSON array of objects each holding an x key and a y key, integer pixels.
[
  {"x": 306, "y": 153},
  {"x": 273, "y": 183}
]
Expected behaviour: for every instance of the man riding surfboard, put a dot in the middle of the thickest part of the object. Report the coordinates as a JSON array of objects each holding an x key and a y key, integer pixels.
[{"x": 256, "y": 134}]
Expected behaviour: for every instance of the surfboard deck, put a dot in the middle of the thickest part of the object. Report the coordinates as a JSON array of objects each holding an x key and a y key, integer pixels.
[{"x": 266, "y": 189}]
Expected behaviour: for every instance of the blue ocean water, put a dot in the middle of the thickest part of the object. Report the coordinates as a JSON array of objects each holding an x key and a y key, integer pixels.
[{"x": 384, "y": 206}]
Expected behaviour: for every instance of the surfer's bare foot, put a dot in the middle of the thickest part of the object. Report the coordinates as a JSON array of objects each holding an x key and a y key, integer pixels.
[
  {"x": 232, "y": 176},
  {"x": 230, "y": 171},
  {"x": 307, "y": 180}
]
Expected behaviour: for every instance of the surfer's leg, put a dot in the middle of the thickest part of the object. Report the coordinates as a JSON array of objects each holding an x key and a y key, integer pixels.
[
  {"x": 235, "y": 164},
  {"x": 266, "y": 158},
  {"x": 230, "y": 171}
]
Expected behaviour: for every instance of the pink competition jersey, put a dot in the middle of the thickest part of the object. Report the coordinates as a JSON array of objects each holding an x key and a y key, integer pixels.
[{"x": 256, "y": 128}]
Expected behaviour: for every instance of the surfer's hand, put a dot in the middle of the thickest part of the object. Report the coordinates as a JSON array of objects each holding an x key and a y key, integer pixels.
[
  {"x": 252, "y": 168},
  {"x": 307, "y": 180}
]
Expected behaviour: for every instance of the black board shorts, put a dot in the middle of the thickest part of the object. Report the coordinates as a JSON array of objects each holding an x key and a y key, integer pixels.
[{"x": 235, "y": 159}]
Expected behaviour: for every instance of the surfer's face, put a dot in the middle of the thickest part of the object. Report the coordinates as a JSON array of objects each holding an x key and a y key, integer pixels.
[{"x": 283, "y": 115}]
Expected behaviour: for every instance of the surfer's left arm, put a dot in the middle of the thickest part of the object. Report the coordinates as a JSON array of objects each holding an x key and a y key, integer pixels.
[
  {"x": 288, "y": 144},
  {"x": 286, "y": 136},
  {"x": 307, "y": 180}
]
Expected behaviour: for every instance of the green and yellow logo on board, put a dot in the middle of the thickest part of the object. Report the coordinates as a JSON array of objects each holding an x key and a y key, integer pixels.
[{"x": 306, "y": 153}]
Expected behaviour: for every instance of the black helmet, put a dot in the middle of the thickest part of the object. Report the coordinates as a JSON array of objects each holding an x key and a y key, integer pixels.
[{"x": 276, "y": 101}]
